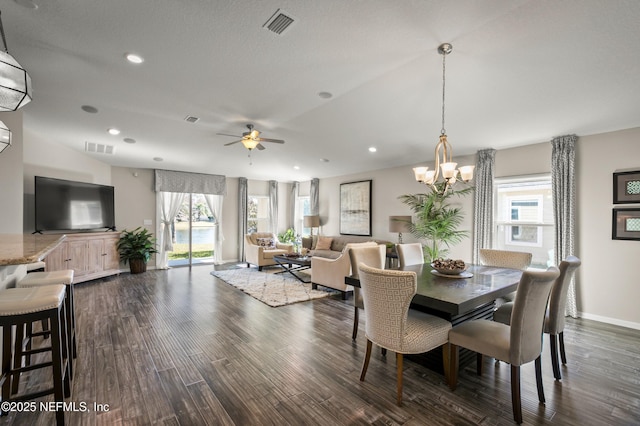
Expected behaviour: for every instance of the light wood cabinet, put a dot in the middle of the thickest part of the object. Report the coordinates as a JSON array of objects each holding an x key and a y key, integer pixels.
[{"x": 91, "y": 255}]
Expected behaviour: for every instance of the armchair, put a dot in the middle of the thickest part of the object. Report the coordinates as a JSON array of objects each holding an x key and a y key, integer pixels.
[{"x": 260, "y": 247}]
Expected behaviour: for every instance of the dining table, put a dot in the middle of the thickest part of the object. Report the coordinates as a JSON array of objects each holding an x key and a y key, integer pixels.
[{"x": 457, "y": 298}]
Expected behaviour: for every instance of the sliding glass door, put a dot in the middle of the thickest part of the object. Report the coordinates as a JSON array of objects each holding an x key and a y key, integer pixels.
[{"x": 193, "y": 232}]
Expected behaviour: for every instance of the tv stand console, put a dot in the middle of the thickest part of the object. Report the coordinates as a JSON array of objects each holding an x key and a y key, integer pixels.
[{"x": 91, "y": 255}]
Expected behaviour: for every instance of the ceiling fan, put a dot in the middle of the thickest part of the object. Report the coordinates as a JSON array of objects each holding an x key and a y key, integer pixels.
[{"x": 251, "y": 139}]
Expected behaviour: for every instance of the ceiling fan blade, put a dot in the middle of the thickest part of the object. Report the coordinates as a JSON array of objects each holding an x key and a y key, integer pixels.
[
  {"x": 270, "y": 140},
  {"x": 226, "y": 134},
  {"x": 231, "y": 143},
  {"x": 260, "y": 147}
]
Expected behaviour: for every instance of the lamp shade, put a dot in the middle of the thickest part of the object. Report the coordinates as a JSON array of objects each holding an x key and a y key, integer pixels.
[
  {"x": 5, "y": 137},
  {"x": 311, "y": 221},
  {"x": 399, "y": 223},
  {"x": 15, "y": 84}
]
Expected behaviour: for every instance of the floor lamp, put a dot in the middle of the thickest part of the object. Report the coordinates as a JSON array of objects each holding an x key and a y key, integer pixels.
[
  {"x": 399, "y": 224},
  {"x": 311, "y": 222}
]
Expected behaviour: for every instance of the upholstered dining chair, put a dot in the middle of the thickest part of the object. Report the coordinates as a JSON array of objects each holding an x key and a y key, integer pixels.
[
  {"x": 410, "y": 254},
  {"x": 390, "y": 323},
  {"x": 554, "y": 319},
  {"x": 505, "y": 259},
  {"x": 373, "y": 256},
  {"x": 517, "y": 344}
]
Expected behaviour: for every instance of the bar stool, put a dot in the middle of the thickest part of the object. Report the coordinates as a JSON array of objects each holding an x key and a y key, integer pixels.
[
  {"x": 20, "y": 307},
  {"x": 39, "y": 279}
]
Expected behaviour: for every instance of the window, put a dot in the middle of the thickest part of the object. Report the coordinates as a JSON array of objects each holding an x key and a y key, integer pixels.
[
  {"x": 303, "y": 208},
  {"x": 257, "y": 214},
  {"x": 524, "y": 217}
]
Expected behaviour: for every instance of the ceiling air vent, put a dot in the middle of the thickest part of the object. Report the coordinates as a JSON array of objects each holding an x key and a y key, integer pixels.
[
  {"x": 98, "y": 148},
  {"x": 191, "y": 119},
  {"x": 279, "y": 22}
]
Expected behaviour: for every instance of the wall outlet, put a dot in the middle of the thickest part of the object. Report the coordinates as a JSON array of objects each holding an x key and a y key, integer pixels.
[{"x": 147, "y": 222}]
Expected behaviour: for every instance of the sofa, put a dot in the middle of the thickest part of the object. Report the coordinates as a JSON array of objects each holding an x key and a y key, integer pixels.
[
  {"x": 260, "y": 247},
  {"x": 331, "y": 263}
]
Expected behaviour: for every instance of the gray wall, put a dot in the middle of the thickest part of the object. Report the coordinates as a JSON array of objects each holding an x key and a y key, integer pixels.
[{"x": 11, "y": 183}]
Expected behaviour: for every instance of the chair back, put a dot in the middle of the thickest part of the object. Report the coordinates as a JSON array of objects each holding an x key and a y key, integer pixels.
[
  {"x": 554, "y": 323},
  {"x": 374, "y": 256},
  {"x": 387, "y": 296},
  {"x": 528, "y": 315},
  {"x": 505, "y": 258},
  {"x": 410, "y": 254}
]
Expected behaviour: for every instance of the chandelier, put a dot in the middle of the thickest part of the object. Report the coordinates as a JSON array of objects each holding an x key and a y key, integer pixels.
[
  {"x": 444, "y": 167},
  {"x": 15, "y": 83}
]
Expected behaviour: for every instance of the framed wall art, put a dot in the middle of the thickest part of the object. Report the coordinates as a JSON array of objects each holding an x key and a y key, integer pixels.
[
  {"x": 626, "y": 224},
  {"x": 626, "y": 187},
  {"x": 355, "y": 208}
]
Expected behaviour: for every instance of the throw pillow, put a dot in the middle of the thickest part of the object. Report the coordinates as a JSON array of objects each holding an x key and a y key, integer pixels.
[
  {"x": 266, "y": 242},
  {"x": 324, "y": 243}
]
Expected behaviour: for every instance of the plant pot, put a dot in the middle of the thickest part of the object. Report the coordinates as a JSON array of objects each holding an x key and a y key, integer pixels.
[{"x": 137, "y": 266}]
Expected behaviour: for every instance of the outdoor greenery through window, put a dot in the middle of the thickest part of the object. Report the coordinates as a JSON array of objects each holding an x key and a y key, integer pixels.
[
  {"x": 523, "y": 217},
  {"x": 257, "y": 214}
]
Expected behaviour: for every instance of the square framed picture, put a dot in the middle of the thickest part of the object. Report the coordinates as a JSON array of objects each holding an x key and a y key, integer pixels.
[
  {"x": 626, "y": 187},
  {"x": 355, "y": 208},
  {"x": 626, "y": 224}
]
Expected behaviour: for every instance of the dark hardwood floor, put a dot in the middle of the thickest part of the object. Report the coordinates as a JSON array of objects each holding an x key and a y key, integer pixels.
[{"x": 181, "y": 347}]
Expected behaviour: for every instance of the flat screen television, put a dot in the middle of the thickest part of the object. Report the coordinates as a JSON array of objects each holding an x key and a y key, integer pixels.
[{"x": 63, "y": 205}]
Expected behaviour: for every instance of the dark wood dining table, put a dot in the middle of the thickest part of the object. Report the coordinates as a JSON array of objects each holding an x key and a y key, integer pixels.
[{"x": 457, "y": 299}]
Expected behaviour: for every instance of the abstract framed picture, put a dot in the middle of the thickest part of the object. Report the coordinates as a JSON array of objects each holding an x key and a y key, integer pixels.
[
  {"x": 626, "y": 187},
  {"x": 355, "y": 208},
  {"x": 626, "y": 224}
]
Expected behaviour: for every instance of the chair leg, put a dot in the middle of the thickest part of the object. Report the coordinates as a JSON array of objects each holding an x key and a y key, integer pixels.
[
  {"x": 17, "y": 356},
  {"x": 446, "y": 362},
  {"x": 6, "y": 364},
  {"x": 365, "y": 364},
  {"x": 539, "y": 384},
  {"x": 563, "y": 356},
  {"x": 45, "y": 327},
  {"x": 383, "y": 351},
  {"x": 479, "y": 359},
  {"x": 453, "y": 367},
  {"x": 356, "y": 318},
  {"x": 60, "y": 379},
  {"x": 516, "y": 403},
  {"x": 399, "y": 370},
  {"x": 553, "y": 340}
]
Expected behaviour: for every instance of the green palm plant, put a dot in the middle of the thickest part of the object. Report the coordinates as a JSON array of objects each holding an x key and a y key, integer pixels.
[{"x": 436, "y": 220}]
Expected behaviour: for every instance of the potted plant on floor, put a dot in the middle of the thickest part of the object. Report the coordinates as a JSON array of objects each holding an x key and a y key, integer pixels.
[{"x": 136, "y": 248}]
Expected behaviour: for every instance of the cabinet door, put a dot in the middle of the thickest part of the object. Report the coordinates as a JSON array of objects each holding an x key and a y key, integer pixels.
[
  {"x": 78, "y": 257},
  {"x": 95, "y": 256},
  {"x": 111, "y": 255},
  {"x": 57, "y": 260}
]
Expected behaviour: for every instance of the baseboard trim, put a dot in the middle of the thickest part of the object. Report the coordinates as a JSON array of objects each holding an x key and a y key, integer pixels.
[{"x": 608, "y": 320}]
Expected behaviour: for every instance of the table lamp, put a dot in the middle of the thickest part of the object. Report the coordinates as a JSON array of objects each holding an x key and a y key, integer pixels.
[
  {"x": 399, "y": 224},
  {"x": 311, "y": 222}
]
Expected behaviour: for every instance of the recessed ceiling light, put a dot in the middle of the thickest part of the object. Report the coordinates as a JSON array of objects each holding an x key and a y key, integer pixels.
[
  {"x": 372, "y": 149},
  {"x": 134, "y": 59},
  {"x": 325, "y": 95},
  {"x": 324, "y": 160},
  {"x": 129, "y": 140},
  {"x": 90, "y": 109},
  {"x": 158, "y": 159},
  {"x": 113, "y": 131},
  {"x": 296, "y": 167}
]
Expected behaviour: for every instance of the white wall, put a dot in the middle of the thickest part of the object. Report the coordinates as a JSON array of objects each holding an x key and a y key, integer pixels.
[{"x": 11, "y": 171}]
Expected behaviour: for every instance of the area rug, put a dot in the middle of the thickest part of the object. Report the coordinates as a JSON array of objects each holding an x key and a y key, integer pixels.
[{"x": 271, "y": 288}]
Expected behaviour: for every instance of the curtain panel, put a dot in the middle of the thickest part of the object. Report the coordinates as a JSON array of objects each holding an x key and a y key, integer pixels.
[
  {"x": 273, "y": 206},
  {"x": 242, "y": 216},
  {"x": 293, "y": 205},
  {"x": 314, "y": 197},
  {"x": 215, "y": 205},
  {"x": 563, "y": 190},
  {"x": 196, "y": 183},
  {"x": 170, "y": 203},
  {"x": 483, "y": 202}
]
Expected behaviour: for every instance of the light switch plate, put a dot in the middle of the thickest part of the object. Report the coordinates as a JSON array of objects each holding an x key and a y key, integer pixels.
[{"x": 147, "y": 222}]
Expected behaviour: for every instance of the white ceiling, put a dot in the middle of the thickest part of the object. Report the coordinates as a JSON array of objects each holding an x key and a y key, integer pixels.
[{"x": 521, "y": 72}]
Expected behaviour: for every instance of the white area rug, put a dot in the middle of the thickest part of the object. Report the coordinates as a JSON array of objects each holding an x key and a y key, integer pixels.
[{"x": 271, "y": 288}]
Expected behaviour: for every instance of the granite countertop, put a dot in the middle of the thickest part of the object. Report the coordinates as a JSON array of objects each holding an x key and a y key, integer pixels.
[{"x": 16, "y": 249}]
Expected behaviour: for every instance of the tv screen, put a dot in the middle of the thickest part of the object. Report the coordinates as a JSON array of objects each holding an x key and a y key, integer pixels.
[{"x": 66, "y": 205}]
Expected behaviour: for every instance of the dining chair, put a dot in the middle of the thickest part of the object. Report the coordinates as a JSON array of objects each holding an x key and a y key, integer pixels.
[
  {"x": 505, "y": 259},
  {"x": 410, "y": 254},
  {"x": 554, "y": 319},
  {"x": 518, "y": 343},
  {"x": 373, "y": 256},
  {"x": 390, "y": 324}
]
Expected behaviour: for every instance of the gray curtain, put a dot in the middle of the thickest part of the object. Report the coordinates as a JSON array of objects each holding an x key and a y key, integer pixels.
[
  {"x": 314, "y": 197},
  {"x": 242, "y": 216},
  {"x": 185, "y": 182},
  {"x": 564, "y": 205},
  {"x": 293, "y": 204},
  {"x": 273, "y": 206},
  {"x": 483, "y": 202}
]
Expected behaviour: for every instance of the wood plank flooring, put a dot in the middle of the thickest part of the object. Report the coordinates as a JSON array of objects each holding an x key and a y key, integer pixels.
[{"x": 180, "y": 347}]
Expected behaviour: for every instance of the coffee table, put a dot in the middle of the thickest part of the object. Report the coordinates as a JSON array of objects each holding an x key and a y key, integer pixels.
[{"x": 287, "y": 263}]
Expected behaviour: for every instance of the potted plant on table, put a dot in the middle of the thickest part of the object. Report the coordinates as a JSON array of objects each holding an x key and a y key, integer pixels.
[{"x": 136, "y": 247}]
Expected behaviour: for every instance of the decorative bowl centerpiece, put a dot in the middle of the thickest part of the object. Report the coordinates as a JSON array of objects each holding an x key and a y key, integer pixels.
[{"x": 449, "y": 266}]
